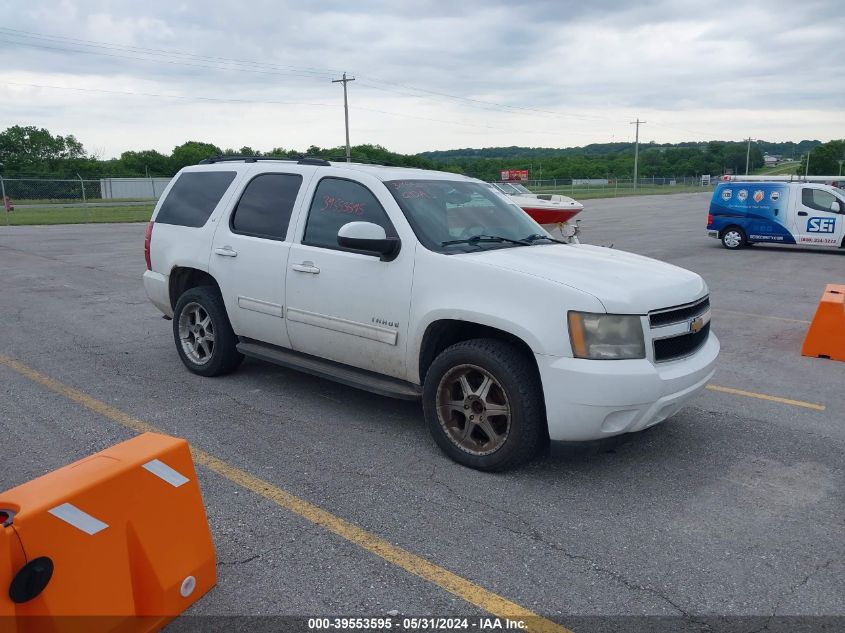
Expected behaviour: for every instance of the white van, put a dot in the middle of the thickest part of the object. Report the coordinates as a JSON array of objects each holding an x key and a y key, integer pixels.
[{"x": 743, "y": 213}]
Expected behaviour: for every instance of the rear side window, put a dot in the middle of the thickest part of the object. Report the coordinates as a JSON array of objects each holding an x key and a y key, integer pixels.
[
  {"x": 337, "y": 202},
  {"x": 817, "y": 199},
  {"x": 193, "y": 197},
  {"x": 266, "y": 205}
]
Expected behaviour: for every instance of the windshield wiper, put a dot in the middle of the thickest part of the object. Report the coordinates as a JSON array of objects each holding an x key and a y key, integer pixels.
[
  {"x": 538, "y": 236},
  {"x": 475, "y": 239}
]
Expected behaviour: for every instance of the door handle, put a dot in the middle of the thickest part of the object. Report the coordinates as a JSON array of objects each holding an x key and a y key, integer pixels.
[
  {"x": 306, "y": 267},
  {"x": 802, "y": 213},
  {"x": 226, "y": 251}
]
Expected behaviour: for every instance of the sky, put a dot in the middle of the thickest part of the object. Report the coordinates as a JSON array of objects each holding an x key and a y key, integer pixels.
[{"x": 429, "y": 74}]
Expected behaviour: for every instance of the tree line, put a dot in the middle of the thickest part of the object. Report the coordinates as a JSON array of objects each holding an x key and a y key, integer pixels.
[{"x": 28, "y": 151}]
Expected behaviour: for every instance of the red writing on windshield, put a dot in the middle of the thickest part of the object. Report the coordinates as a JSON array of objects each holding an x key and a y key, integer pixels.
[
  {"x": 331, "y": 203},
  {"x": 410, "y": 193},
  {"x": 414, "y": 193}
]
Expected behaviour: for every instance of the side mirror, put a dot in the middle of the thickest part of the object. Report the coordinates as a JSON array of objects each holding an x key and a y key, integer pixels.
[
  {"x": 835, "y": 207},
  {"x": 369, "y": 238}
]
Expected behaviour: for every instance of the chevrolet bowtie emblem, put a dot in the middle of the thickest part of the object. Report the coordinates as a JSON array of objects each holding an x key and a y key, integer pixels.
[{"x": 696, "y": 324}]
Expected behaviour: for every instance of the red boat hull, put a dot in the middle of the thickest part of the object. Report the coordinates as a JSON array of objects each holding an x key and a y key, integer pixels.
[{"x": 551, "y": 216}]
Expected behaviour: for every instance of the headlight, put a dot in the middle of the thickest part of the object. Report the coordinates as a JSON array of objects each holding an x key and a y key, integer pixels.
[{"x": 606, "y": 336}]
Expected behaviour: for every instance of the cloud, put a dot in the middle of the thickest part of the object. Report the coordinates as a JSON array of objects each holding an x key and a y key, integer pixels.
[{"x": 428, "y": 74}]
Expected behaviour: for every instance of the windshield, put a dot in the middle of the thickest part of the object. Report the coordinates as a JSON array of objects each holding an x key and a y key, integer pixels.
[
  {"x": 505, "y": 187},
  {"x": 522, "y": 189},
  {"x": 442, "y": 211}
]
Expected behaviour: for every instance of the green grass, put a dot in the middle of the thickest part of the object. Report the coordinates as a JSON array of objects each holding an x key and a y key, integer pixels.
[
  {"x": 22, "y": 216},
  {"x": 74, "y": 201},
  {"x": 613, "y": 192},
  {"x": 784, "y": 169}
]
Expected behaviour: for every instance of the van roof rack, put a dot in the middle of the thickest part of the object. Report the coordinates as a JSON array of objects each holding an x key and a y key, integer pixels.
[{"x": 300, "y": 160}]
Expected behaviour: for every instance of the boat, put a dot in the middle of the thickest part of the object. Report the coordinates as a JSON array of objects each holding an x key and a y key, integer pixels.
[{"x": 544, "y": 208}]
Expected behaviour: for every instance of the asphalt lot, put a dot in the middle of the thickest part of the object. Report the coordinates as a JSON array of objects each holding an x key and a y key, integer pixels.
[{"x": 733, "y": 507}]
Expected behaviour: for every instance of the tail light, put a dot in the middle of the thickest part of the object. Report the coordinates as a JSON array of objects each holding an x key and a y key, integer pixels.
[
  {"x": 148, "y": 236},
  {"x": 709, "y": 223}
]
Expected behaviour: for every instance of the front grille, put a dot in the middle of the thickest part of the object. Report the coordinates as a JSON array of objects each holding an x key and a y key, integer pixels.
[
  {"x": 680, "y": 346},
  {"x": 679, "y": 314}
]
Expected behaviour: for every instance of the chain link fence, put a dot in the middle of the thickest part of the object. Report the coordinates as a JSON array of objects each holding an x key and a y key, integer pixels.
[
  {"x": 614, "y": 187},
  {"x": 78, "y": 200}
]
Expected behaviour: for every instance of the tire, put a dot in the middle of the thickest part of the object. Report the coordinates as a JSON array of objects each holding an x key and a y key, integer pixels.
[
  {"x": 513, "y": 435},
  {"x": 199, "y": 313},
  {"x": 734, "y": 238}
]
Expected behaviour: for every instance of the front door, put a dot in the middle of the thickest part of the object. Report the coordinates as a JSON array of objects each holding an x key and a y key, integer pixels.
[
  {"x": 343, "y": 305},
  {"x": 817, "y": 221},
  {"x": 250, "y": 253}
]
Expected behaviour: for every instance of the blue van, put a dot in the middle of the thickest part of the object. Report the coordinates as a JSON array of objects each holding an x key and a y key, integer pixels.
[{"x": 742, "y": 213}]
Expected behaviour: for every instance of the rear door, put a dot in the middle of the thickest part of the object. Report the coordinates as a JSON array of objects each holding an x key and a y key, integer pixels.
[
  {"x": 250, "y": 250},
  {"x": 818, "y": 222}
]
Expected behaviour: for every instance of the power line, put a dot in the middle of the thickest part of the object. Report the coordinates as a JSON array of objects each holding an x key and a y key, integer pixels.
[
  {"x": 481, "y": 126},
  {"x": 61, "y": 43},
  {"x": 158, "y": 52},
  {"x": 75, "y": 45},
  {"x": 176, "y": 61},
  {"x": 168, "y": 96}
]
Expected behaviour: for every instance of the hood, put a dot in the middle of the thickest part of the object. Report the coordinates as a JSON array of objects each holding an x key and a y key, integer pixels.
[{"x": 625, "y": 283}]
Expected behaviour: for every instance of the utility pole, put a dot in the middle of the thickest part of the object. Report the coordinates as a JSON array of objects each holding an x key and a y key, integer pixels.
[
  {"x": 747, "y": 155},
  {"x": 807, "y": 166},
  {"x": 345, "y": 81},
  {"x": 840, "y": 161},
  {"x": 636, "y": 148}
]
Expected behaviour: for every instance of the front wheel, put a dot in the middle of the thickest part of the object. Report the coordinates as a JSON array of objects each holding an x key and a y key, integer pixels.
[
  {"x": 734, "y": 238},
  {"x": 484, "y": 404},
  {"x": 202, "y": 332}
]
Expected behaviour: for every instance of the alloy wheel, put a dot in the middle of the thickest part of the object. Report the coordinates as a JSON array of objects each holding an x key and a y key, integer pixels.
[
  {"x": 196, "y": 332},
  {"x": 473, "y": 409}
]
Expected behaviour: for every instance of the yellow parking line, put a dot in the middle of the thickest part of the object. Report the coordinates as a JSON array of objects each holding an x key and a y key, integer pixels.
[
  {"x": 762, "y": 396},
  {"x": 761, "y": 316},
  {"x": 425, "y": 569}
]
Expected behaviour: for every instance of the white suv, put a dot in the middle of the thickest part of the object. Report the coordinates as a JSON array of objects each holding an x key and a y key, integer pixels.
[{"x": 421, "y": 284}]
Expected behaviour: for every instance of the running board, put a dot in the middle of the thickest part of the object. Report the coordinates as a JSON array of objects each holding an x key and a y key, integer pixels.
[{"x": 344, "y": 374}]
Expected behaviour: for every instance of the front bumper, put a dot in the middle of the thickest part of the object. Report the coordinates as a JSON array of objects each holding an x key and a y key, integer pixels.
[{"x": 593, "y": 399}]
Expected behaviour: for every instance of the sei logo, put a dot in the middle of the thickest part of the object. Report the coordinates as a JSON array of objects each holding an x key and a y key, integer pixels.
[{"x": 821, "y": 225}]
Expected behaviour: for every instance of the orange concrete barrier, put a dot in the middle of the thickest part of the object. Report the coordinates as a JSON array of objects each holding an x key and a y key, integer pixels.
[
  {"x": 119, "y": 540},
  {"x": 826, "y": 336}
]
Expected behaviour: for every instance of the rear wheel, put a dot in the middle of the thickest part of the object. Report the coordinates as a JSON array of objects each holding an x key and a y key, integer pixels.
[
  {"x": 734, "y": 238},
  {"x": 202, "y": 332},
  {"x": 484, "y": 405}
]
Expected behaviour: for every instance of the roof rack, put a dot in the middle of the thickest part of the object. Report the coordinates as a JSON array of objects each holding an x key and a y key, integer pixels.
[
  {"x": 300, "y": 160},
  {"x": 310, "y": 160},
  {"x": 363, "y": 161}
]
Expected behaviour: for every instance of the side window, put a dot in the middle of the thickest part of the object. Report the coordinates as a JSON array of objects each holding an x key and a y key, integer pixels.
[
  {"x": 337, "y": 202},
  {"x": 266, "y": 205},
  {"x": 817, "y": 199},
  {"x": 193, "y": 197}
]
